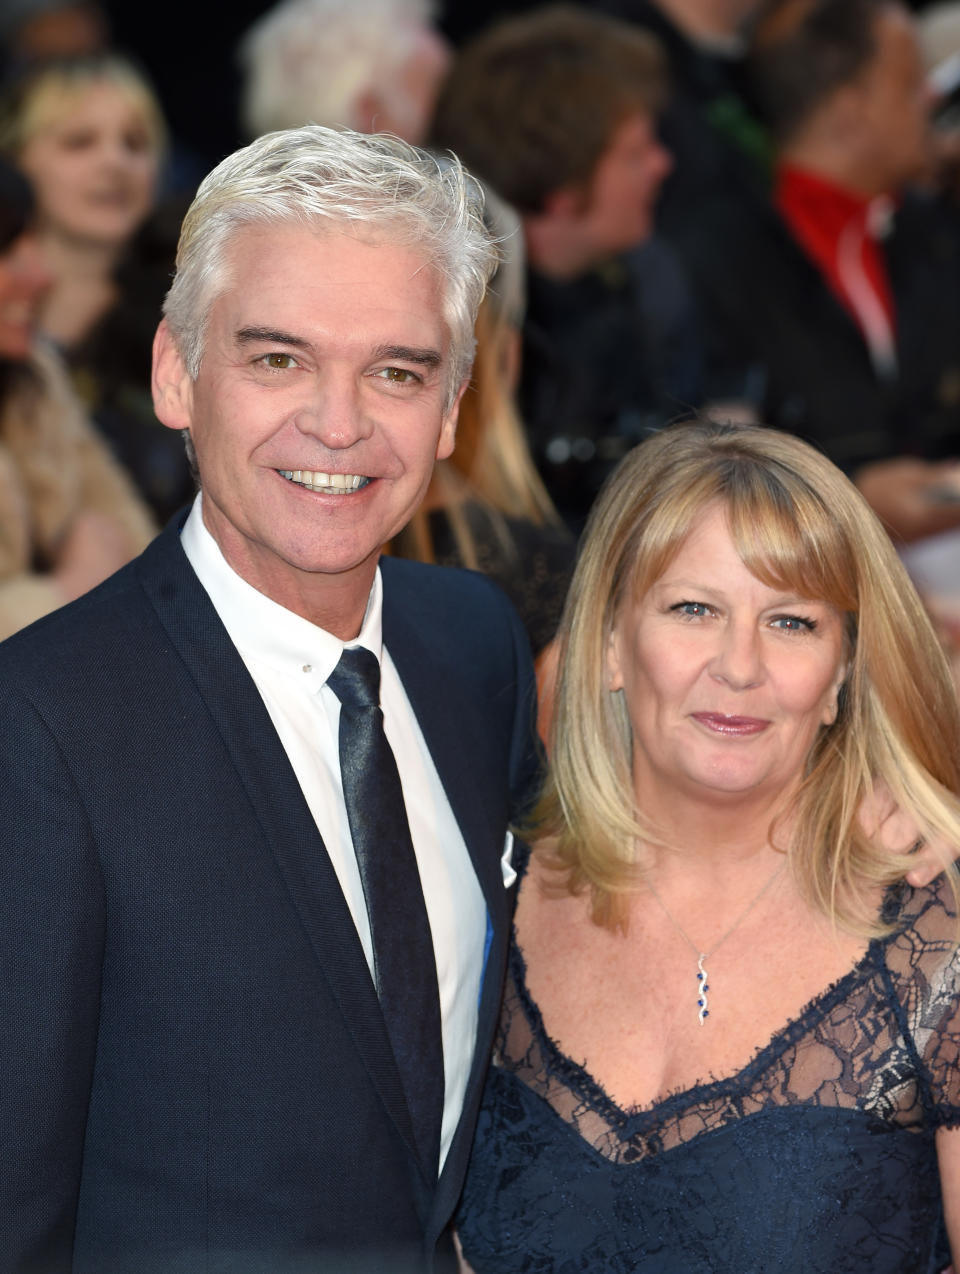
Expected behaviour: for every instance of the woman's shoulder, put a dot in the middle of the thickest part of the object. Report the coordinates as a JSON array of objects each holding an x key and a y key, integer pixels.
[
  {"x": 546, "y": 905},
  {"x": 42, "y": 401},
  {"x": 922, "y": 951},
  {"x": 538, "y": 868},
  {"x": 929, "y": 913}
]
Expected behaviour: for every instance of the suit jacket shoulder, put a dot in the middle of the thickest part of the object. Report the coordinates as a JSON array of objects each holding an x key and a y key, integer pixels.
[{"x": 454, "y": 632}]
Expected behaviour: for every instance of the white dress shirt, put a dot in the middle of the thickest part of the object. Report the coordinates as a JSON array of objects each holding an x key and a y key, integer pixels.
[{"x": 289, "y": 660}]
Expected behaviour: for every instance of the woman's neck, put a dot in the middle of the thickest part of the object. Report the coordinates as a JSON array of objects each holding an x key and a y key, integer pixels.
[
  {"x": 83, "y": 288},
  {"x": 713, "y": 836}
]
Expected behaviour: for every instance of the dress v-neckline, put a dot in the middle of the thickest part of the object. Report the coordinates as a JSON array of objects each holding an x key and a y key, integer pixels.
[{"x": 629, "y": 1121}]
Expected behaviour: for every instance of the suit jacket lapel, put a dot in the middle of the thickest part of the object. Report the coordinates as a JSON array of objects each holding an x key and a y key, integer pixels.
[{"x": 279, "y": 807}]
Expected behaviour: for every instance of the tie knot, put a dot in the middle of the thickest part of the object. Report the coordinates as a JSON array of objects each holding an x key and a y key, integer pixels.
[{"x": 356, "y": 679}]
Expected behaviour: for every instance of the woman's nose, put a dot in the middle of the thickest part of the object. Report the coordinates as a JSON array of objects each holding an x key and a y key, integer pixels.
[{"x": 739, "y": 657}]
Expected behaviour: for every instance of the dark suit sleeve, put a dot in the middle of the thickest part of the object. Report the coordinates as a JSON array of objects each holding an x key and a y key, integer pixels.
[{"x": 52, "y": 927}]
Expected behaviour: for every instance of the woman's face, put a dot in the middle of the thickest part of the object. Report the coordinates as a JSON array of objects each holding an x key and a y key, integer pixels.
[
  {"x": 727, "y": 681},
  {"x": 93, "y": 167},
  {"x": 24, "y": 279}
]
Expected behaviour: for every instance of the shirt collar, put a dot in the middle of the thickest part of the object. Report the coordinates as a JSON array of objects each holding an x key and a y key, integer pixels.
[
  {"x": 809, "y": 197},
  {"x": 265, "y": 631}
]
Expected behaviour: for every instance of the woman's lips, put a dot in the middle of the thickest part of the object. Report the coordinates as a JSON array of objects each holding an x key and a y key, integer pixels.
[{"x": 719, "y": 723}]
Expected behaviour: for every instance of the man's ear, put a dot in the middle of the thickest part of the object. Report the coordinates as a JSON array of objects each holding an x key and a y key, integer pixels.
[
  {"x": 171, "y": 382},
  {"x": 368, "y": 112},
  {"x": 448, "y": 430},
  {"x": 848, "y": 107},
  {"x": 566, "y": 203}
]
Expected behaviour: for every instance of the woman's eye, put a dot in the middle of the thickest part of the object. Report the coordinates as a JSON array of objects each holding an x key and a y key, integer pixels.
[
  {"x": 691, "y": 610},
  {"x": 279, "y": 362},
  {"x": 136, "y": 141},
  {"x": 76, "y": 141},
  {"x": 794, "y": 624}
]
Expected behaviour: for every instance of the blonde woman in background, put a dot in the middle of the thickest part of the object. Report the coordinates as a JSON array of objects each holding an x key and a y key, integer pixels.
[
  {"x": 487, "y": 508},
  {"x": 90, "y": 136},
  {"x": 68, "y": 515}
]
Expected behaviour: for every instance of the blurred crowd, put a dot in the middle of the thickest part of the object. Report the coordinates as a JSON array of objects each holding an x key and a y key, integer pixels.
[{"x": 748, "y": 209}]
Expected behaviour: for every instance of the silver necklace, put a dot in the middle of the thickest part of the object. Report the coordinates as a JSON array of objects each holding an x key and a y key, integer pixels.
[{"x": 703, "y": 1011}]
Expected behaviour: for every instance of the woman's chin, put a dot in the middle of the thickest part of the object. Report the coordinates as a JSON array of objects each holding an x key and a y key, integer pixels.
[
  {"x": 729, "y": 780},
  {"x": 104, "y": 232}
]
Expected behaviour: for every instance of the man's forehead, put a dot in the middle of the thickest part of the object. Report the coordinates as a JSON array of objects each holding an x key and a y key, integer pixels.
[
  {"x": 288, "y": 234},
  {"x": 288, "y": 275},
  {"x": 313, "y": 253}
]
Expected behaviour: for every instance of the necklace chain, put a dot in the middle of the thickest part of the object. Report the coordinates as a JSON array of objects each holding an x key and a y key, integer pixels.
[{"x": 703, "y": 1011}]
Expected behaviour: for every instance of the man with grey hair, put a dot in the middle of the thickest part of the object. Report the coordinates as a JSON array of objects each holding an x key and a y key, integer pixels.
[
  {"x": 375, "y": 66},
  {"x": 255, "y": 789}
]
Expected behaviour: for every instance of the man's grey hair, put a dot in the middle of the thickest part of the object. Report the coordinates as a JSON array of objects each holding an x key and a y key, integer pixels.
[
  {"x": 329, "y": 179},
  {"x": 312, "y": 60}
]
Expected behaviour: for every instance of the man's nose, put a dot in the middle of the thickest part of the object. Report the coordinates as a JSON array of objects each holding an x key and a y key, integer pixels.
[{"x": 335, "y": 412}]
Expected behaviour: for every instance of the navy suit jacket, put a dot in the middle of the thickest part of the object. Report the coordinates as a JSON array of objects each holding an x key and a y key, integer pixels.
[{"x": 194, "y": 1070}]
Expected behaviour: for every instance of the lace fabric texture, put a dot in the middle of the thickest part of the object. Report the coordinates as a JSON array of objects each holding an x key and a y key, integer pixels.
[{"x": 818, "y": 1155}]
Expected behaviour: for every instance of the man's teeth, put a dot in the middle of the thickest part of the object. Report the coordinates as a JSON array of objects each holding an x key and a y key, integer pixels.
[{"x": 328, "y": 483}]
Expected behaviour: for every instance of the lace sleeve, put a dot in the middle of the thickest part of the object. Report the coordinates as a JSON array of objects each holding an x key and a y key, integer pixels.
[{"x": 925, "y": 960}]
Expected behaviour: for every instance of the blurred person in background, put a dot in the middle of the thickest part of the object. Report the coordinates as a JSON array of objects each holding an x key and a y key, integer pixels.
[
  {"x": 938, "y": 28},
  {"x": 89, "y": 134},
  {"x": 68, "y": 516},
  {"x": 36, "y": 30},
  {"x": 843, "y": 295},
  {"x": 374, "y": 67},
  {"x": 487, "y": 508},
  {"x": 557, "y": 111},
  {"x": 721, "y": 150}
]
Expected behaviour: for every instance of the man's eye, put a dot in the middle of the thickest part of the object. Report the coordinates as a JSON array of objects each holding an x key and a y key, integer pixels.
[
  {"x": 398, "y": 375},
  {"x": 279, "y": 362}
]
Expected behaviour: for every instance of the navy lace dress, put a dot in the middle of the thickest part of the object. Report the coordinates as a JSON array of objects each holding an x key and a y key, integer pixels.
[{"x": 817, "y": 1158}]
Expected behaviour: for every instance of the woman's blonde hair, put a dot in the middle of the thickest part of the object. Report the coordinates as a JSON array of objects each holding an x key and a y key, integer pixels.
[
  {"x": 800, "y": 525},
  {"x": 49, "y": 90},
  {"x": 491, "y": 463}
]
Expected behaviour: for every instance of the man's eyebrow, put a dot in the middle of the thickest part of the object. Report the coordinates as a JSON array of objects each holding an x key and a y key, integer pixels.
[
  {"x": 409, "y": 354},
  {"x": 268, "y": 336}
]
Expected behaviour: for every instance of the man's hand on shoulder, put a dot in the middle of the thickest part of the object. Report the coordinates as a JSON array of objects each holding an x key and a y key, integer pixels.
[{"x": 884, "y": 821}]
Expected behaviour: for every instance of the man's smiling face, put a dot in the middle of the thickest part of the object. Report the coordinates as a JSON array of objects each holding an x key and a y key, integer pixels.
[{"x": 320, "y": 405}]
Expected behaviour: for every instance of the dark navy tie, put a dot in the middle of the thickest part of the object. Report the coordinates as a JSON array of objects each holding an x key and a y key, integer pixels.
[{"x": 404, "y": 966}]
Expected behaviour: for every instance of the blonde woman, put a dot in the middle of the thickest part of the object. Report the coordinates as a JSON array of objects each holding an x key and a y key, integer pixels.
[
  {"x": 487, "y": 508},
  {"x": 90, "y": 136},
  {"x": 731, "y": 1029},
  {"x": 68, "y": 515}
]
